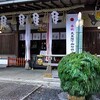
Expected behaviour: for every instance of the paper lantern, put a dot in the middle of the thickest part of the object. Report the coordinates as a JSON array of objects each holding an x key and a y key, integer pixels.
[
  {"x": 55, "y": 16},
  {"x": 36, "y": 18},
  {"x": 21, "y": 19},
  {"x": 3, "y": 21}
]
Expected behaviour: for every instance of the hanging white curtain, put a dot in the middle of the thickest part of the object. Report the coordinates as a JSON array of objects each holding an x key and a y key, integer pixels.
[
  {"x": 49, "y": 37},
  {"x": 27, "y": 39}
]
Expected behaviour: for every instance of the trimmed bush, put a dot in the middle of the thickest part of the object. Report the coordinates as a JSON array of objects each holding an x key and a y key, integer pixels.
[{"x": 79, "y": 74}]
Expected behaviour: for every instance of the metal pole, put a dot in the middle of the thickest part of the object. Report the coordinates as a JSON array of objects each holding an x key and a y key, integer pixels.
[
  {"x": 79, "y": 34},
  {"x": 77, "y": 37}
]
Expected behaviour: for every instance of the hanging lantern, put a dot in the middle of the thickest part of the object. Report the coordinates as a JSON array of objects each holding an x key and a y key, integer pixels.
[
  {"x": 36, "y": 19},
  {"x": 3, "y": 21},
  {"x": 55, "y": 16},
  {"x": 21, "y": 19}
]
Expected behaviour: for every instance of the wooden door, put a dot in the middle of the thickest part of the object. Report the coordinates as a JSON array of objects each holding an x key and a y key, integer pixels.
[
  {"x": 8, "y": 43},
  {"x": 91, "y": 40}
]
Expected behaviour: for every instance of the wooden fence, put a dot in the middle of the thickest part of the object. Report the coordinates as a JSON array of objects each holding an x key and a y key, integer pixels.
[{"x": 16, "y": 61}]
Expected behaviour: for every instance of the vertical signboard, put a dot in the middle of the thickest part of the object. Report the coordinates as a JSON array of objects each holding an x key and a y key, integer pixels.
[{"x": 71, "y": 33}]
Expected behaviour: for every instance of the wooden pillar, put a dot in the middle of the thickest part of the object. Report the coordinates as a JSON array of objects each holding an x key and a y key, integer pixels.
[
  {"x": 17, "y": 36},
  {"x": 49, "y": 47}
]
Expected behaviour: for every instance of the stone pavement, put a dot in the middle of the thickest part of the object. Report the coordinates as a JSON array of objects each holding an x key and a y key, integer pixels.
[
  {"x": 15, "y": 91},
  {"x": 13, "y": 81},
  {"x": 35, "y": 76}
]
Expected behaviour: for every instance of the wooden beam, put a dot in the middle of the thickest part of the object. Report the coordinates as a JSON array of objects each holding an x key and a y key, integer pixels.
[
  {"x": 44, "y": 10},
  {"x": 54, "y": 3},
  {"x": 44, "y": 3},
  {"x": 63, "y": 3}
]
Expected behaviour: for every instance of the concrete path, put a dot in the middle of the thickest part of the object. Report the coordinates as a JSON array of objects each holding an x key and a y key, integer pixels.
[{"x": 35, "y": 76}]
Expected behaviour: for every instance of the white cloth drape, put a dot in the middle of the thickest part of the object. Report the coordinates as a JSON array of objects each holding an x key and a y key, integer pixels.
[
  {"x": 27, "y": 39},
  {"x": 49, "y": 37}
]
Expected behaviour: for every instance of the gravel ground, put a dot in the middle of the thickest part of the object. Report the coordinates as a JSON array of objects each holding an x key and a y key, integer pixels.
[
  {"x": 44, "y": 93},
  {"x": 23, "y": 91},
  {"x": 47, "y": 93}
]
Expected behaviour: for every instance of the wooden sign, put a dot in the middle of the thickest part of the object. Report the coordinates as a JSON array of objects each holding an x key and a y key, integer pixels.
[{"x": 42, "y": 27}]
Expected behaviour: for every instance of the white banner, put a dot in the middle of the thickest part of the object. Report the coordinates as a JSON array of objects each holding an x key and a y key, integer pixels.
[
  {"x": 55, "y": 35},
  {"x": 36, "y": 36},
  {"x": 71, "y": 33},
  {"x": 62, "y": 35},
  {"x": 44, "y": 36}
]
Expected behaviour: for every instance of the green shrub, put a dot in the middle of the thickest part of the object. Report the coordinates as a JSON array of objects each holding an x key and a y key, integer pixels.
[{"x": 79, "y": 74}]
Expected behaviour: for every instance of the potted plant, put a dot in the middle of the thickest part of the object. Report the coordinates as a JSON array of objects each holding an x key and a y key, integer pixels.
[{"x": 79, "y": 74}]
